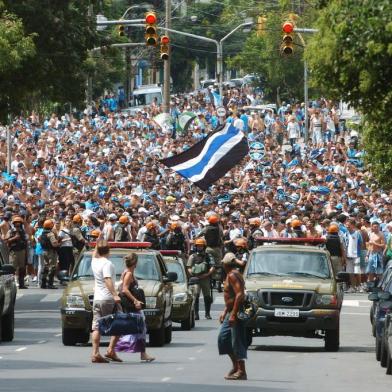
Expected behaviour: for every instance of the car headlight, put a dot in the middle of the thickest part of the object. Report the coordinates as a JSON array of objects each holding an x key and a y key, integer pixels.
[
  {"x": 180, "y": 297},
  {"x": 74, "y": 301},
  {"x": 151, "y": 302},
  {"x": 324, "y": 299}
]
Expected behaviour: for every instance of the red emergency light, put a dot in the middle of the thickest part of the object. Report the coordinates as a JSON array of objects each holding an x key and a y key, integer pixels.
[
  {"x": 169, "y": 252},
  {"x": 126, "y": 245},
  {"x": 292, "y": 241}
]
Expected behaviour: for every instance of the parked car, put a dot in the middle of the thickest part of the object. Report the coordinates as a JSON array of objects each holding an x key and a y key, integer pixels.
[
  {"x": 153, "y": 277},
  {"x": 388, "y": 342},
  {"x": 7, "y": 296},
  {"x": 183, "y": 302}
]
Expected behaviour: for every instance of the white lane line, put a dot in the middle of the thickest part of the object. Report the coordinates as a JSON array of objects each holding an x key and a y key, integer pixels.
[
  {"x": 351, "y": 303},
  {"x": 21, "y": 349},
  {"x": 42, "y": 341},
  {"x": 180, "y": 368},
  {"x": 1, "y": 357},
  {"x": 57, "y": 335},
  {"x": 355, "y": 314},
  {"x": 165, "y": 379},
  {"x": 51, "y": 298},
  {"x": 191, "y": 358},
  {"x": 19, "y": 295}
]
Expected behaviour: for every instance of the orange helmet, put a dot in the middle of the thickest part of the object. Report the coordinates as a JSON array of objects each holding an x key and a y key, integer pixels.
[
  {"x": 95, "y": 233},
  {"x": 213, "y": 219},
  {"x": 241, "y": 243},
  {"x": 77, "y": 219},
  {"x": 150, "y": 225},
  {"x": 333, "y": 228},
  {"x": 201, "y": 242},
  {"x": 48, "y": 224},
  {"x": 255, "y": 222},
  {"x": 17, "y": 219},
  {"x": 174, "y": 225},
  {"x": 124, "y": 219},
  {"x": 296, "y": 223}
]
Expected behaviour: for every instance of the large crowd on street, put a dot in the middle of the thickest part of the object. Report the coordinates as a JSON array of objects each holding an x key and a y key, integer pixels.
[{"x": 99, "y": 175}]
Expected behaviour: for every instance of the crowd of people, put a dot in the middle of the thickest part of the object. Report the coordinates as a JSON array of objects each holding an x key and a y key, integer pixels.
[{"x": 99, "y": 176}]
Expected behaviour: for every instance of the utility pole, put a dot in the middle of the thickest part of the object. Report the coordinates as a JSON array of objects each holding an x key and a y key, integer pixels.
[{"x": 166, "y": 63}]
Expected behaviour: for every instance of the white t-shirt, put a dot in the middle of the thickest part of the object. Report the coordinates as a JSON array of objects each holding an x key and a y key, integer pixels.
[
  {"x": 102, "y": 268},
  {"x": 293, "y": 130}
]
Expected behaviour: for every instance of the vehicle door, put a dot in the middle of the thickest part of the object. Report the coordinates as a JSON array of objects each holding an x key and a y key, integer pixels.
[
  {"x": 167, "y": 288},
  {"x": 7, "y": 282}
]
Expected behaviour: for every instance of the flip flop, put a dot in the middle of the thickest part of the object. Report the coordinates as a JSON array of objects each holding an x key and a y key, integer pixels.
[
  {"x": 147, "y": 360},
  {"x": 231, "y": 372},
  {"x": 237, "y": 376},
  {"x": 99, "y": 359},
  {"x": 113, "y": 358}
]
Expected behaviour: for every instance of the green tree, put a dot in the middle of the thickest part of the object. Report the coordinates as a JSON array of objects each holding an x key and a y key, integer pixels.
[{"x": 350, "y": 58}]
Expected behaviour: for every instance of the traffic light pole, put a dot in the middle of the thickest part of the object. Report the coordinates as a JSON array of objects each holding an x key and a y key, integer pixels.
[{"x": 166, "y": 63}]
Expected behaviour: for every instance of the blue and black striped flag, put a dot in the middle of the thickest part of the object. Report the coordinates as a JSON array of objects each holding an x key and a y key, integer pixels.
[{"x": 211, "y": 158}]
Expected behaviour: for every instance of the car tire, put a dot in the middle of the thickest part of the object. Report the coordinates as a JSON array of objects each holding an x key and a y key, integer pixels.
[
  {"x": 389, "y": 363},
  {"x": 71, "y": 337},
  {"x": 332, "y": 342},
  {"x": 8, "y": 326},
  {"x": 168, "y": 334},
  {"x": 186, "y": 325},
  {"x": 378, "y": 348},
  {"x": 157, "y": 337},
  {"x": 384, "y": 353}
]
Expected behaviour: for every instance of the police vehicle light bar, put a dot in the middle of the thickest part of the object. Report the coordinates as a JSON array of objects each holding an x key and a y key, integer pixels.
[
  {"x": 293, "y": 241},
  {"x": 170, "y": 252},
  {"x": 127, "y": 245}
]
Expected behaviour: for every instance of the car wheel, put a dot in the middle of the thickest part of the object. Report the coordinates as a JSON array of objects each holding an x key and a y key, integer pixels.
[
  {"x": 71, "y": 337},
  {"x": 157, "y": 337},
  {"x": 186, "y": 325},
  {"x": 384, "y": 353},
  {"x": 389, "y": 362},
  {"x": 168, "y": 334},
  {"x": 332, "y": 340},
  {"x": 7, "y": 326},
  {"x": 378, "y": 348}
]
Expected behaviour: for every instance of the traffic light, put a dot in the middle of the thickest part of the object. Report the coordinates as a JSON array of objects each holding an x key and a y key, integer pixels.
[
  {"x": 151, "y": 35},
  {"x": 288, "y": 37},
  {"x": 260, "y": 27},
  {"x": 165, "y": 47},
  {"x": 121, "y": 30}
]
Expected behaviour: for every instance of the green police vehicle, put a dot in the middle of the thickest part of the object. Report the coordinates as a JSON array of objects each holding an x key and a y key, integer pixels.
[
  {"x": 183, "y": 310},
  {"x": 294, "y": 285},
  {"x": 153, "y": 277}
]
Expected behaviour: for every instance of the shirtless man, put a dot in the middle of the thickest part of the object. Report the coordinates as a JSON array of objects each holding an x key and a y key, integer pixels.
[
  {"x": 375, "y": 245},
  {"x": 232, "y": 339}
]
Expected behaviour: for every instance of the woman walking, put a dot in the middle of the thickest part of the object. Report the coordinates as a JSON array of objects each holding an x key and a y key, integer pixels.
[{"x": 134, "y": 343}]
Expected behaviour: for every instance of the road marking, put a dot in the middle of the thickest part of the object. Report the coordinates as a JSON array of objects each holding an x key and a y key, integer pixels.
[
  {"x": 57, "y": 335},
  {"x": 355, "y": 314},
  {"x": 191, "y": 358},
  {"x": 200, "y": 350},
  {"x": 21, "y": 349},
  {"x": 19, "y": 295},
  {"x": 42, "y": 341},
  {"x": 1, "y": 357},
  {"x": 165, "y": 379},
  {"x": 37, "y": 311},
  {"x": 351, "y": 303},
  {"x": 180, "y": 368},
  {"x": 51, "y": 297}
]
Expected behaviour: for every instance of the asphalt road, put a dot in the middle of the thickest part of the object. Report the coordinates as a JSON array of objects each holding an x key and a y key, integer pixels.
[{"x": 37, "y": 361}]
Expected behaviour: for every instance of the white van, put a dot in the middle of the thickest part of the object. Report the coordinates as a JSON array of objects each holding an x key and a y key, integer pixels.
[{"x": 146, "y": 95}]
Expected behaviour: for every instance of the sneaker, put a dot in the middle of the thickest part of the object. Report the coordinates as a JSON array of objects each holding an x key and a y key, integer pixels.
[{"x": 34, "y": 279}]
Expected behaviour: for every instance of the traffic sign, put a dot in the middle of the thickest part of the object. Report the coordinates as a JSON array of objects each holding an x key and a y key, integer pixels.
[{"x": 221, "y": 111}]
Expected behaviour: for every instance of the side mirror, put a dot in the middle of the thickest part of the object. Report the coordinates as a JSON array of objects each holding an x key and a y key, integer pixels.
[
  {"x": 7, "y": 269},
  {"x": 342, "y": 277},
  {"x": 63, "y": 276},
  {"x": 384, "y": 296},
  {"x": 373, "y": 297},
  {"x": 170, "y": 277}
]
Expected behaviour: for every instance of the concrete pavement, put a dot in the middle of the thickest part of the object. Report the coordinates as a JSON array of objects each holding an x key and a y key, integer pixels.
[{"x": 37, "y": 360}]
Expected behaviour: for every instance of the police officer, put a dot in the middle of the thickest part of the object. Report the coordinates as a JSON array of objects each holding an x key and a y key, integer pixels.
[
  {"x": 296, "y": 225},
  {"x": 121, "y": 230},
  {"x": 78, "y": 239},
  {"x": 202, "y": 265},
  {"x": 151, "y": 235},
  {"x": 49, "y": 245},
  {"x": 254, "y": 232},
  {"x": 176, "y": 238},
  {"x": 241, "y": 253},
  {"x": 17, "y": 243},
  {"x": 335, "y": 247}
]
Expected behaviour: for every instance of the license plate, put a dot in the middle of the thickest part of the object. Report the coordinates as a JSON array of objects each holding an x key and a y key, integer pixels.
[
  {"x": 286, "y": 312},
  {"x": 148, "y": 312}
]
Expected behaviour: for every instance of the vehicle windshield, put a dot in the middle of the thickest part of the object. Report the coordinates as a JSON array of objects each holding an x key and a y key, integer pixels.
[
  {"x": 147, "y": 98},
  {"x": 146, "y": 268},
  {"x": 281, "y": 263},
  {"x": 177, "y": 268}
]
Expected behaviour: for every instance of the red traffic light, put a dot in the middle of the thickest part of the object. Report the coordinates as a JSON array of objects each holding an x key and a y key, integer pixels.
[
  {"x": 288, "y": 27},
  {"x": 151, "y": 18},
  {"x": 165, "y": 40}
]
